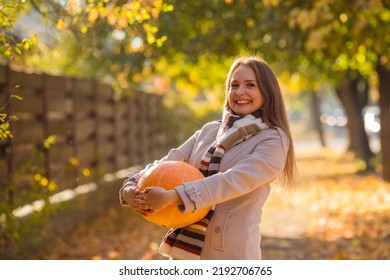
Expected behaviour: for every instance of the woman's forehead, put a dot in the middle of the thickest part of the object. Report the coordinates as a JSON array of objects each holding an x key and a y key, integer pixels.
[{"x": 243, "y": 72}]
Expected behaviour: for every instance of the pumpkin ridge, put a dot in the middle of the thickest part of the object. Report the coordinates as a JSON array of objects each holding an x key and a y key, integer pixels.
[{"x": 168, "y": 175}]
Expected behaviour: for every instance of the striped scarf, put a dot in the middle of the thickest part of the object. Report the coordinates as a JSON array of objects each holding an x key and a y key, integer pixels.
[{"x": 187, "y": 243}]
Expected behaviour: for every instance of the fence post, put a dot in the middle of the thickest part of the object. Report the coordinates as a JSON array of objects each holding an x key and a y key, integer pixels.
[
  {"x": 72, "y": 134},
  {"x": 120, "y": 132},
  {"x": 45, "y": 109},
  {"x": 104, "y": 116},
  {"x": 95, "y": 96},
  {"x": 116, "y": 133},
  {"x": 144, "y": 129},
  {"x": 130, "y": 130},
  {"x": 5, "y": 145}
]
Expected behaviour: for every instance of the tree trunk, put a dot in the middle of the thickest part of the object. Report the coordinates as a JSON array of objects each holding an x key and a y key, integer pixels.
[
  {"x": 315, "y": 111},
  {"x": 384, "y": 105},
  {"x": 353, "y": 101}
]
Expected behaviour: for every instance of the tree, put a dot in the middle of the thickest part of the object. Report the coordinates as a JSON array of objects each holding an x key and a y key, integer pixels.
[
  {"x": 107, "y": 40},
  {"x": 350, "y": 38},
  {"x": 384, "y": 104},
  {"x": 12, "y": 47},
  {"x": 354, "y": 100}
]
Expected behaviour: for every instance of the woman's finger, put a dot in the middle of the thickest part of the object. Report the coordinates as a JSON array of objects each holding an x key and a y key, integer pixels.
[
  {"x": 140, "y": 204},
  {"x": 140, "y": 197}
]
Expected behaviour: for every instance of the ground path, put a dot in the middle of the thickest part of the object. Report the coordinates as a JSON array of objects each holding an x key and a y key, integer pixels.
[{"x": 332, "y": 215}]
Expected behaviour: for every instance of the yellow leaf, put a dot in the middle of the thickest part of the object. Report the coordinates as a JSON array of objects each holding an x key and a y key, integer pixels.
[
  {"x": 44, "y": 182},
  {"x": 93, "y": 15},
  {"x": 273, "y": 3},
  {"x": 170, "y": 8},
  {"x": 84, "y": 29},
  {"x": 155, "y": 13},
  {"x": 112, "y": 255},
  {"x": 160, "y": 41},
  {"x": 153, "y": 246},
  {"x": 52, "y": 186},
  {"x": 102, "y": 11},
  {"x": 61, "y": 25},
  {"x": 26, "y": 44},
  {"x": 49, "y": 141},
  {"x": 150, "y": 38},
  {"x": 16, "y": 96},
  {"x": 86, "y": 172},
  {"x": 8, "y": 53},
  {"x": 37, "y": 177},
  {"x": 111, "y": 19},
  {"x": 343, "y": 17},
  {"x": 72, "y": 4},
  {"x": 74, "y": 161},
  {"x": 147, "y": 256},
  {"x": 122, "y": 23}
]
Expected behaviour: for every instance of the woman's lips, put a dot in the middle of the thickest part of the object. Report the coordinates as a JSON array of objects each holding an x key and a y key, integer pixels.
[{"x": 242, "y": 102}]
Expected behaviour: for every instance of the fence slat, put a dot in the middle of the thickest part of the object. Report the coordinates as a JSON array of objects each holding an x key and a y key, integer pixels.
[
  {"x": 3, "y": 78},
  {"x": 24, "y": 80},
  {"x": 3, "y": 168},
  {"x": 31, "y": 102},
  {"x": 86, "y": 153},
  {"x": 27, "y": 131},
  {"x": 84, "y": 129}
]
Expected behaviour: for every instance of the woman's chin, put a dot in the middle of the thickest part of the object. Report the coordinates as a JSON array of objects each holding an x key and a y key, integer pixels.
[{"x": 242, "y": 111}]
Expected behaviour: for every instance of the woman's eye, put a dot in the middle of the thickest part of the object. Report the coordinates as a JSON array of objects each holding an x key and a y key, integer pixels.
[
  {"x": 250, "y": 85},
  {"x": 234, "y": 86}
]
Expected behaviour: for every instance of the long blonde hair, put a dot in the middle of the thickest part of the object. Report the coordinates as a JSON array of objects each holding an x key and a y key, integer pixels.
[{"x": 274, "y": 111}]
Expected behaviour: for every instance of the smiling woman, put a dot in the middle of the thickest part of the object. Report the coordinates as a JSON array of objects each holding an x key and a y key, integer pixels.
[
  {"x": 244, "y": 95},
  {"x": 237, "y": 177}
]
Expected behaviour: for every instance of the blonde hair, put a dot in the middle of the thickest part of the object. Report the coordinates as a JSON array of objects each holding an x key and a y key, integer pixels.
[{"x": 274, "y": 111}]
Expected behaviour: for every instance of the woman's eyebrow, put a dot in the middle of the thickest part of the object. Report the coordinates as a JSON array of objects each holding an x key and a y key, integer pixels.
[{"x": 233, "y": 80}]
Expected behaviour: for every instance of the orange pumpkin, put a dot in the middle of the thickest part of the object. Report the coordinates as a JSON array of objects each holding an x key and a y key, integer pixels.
[{"x": 169, "y": 174}]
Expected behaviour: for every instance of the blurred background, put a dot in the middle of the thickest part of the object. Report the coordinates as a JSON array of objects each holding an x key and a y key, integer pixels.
[{"x": 92, "y": 90}]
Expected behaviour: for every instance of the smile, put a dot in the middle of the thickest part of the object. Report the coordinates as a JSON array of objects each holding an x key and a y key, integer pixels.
[{"x": 243, "y": 101}]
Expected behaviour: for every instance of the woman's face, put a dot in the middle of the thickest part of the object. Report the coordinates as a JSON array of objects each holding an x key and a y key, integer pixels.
[{"x": 244, "y": 96}]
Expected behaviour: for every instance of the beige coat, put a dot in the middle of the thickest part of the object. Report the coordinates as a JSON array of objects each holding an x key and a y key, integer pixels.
[{"x": 239, "y": 190}]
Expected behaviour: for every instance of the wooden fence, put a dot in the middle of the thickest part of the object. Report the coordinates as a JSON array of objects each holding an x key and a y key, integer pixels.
[{"x": 93, "y": 133}]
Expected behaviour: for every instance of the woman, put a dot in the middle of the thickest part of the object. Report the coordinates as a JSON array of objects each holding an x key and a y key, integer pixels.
[{"x": 248, "y": 150}]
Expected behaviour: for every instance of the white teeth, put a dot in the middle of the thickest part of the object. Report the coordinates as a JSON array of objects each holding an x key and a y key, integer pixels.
[{"x": 242, "y": 101}]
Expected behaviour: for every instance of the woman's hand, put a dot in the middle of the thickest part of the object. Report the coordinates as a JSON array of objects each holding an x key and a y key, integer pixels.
[
  {"x": 131, "y": 196},
  {"x": 158, "y": 198}
]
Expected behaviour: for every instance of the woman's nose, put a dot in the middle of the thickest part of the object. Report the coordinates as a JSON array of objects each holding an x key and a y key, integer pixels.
[{"x": 240, "y": 91}]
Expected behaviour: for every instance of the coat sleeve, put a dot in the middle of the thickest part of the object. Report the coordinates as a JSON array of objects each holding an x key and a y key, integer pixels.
[{"x": 260, "y": 167}]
